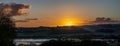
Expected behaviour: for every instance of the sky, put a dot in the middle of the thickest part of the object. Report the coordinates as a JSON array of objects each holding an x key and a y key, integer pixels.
[{"x": 64, "y": 12}]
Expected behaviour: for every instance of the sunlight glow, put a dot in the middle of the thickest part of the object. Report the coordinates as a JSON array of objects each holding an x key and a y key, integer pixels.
[{"x": 69, "y": 22}]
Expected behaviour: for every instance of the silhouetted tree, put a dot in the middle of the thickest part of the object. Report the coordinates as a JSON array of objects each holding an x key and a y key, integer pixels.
[{"x": 7, "y": 32}]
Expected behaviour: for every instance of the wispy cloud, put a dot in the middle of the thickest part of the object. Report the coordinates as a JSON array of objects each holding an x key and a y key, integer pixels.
[
  {"x": 21, "y": 21},
  {"x": 31, "y": 18},
  {"x": 104, "y": 20}
]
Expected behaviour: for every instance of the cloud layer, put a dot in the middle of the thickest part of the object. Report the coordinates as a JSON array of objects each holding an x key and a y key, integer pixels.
[{"x": 13, "y": 9}]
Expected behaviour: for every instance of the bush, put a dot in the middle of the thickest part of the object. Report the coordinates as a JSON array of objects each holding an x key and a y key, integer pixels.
[{"x": 7, "y": 32}]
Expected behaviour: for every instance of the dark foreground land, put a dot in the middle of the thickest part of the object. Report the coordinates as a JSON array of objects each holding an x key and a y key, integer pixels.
[
  {"x": 75, "y": 43},
  {"x": 86, "y": 33},
  {"x": 103, "y": 31}
]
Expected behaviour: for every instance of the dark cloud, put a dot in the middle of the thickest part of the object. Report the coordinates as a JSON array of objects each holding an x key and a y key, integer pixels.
[
  {"x": 13, "y": 9},
  {"x": 26, "y": 20},
  {"x": 104, "y": 20},
  {"x": 21, "y": 21},
  {"x": 31, "y": 19}
]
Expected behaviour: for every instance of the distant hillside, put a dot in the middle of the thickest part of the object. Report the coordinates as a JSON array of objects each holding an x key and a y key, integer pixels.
[{"x": 88, "y": 31}]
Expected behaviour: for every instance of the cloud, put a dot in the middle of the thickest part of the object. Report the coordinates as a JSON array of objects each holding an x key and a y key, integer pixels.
[
  {"x": 13, "y": 9},
  {"x": 26, "y": 20},
  {"x": 21, "y": 21},
  {"x": 31, "y": 19},
  {"x": 104, "y": 20}
]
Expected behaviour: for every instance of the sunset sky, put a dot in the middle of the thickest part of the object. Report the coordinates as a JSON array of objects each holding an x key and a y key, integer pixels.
[{"x": 66, "y": 12}]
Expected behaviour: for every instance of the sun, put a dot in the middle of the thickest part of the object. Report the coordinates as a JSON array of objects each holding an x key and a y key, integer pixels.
[{"x": 69, "y": 23}]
